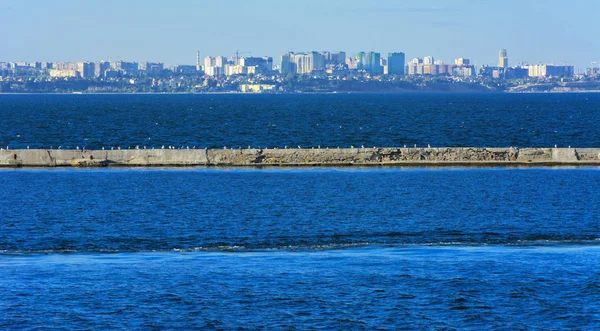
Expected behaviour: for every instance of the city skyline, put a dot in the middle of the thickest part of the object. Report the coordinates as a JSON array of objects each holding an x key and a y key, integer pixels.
[{"x": 555, "y": 32}]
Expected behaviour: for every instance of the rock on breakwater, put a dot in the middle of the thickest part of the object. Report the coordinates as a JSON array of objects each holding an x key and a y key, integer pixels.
[{"x": 449, "y": 156}]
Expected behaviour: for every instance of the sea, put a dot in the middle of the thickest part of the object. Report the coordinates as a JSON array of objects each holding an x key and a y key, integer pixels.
[{"x": 350, "y": 248}]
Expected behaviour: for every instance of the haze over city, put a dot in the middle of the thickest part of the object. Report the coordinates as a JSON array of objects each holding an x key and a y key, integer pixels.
[{"x": 554, "y": 31}]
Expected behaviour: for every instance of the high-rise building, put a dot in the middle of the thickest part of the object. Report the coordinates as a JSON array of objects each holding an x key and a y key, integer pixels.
[
  {"x": 128, "y": 68},
  {"x": 548, "y": 70},
  {"x": 85, "y": 69},
  {"x": 361, "y": 61},
  {"x": 215, "y": 66},
  {"x": 503, "y": 59},
  {"x": 152, "y": 68},
  {"x": 428, "y": 60},
  {"x": 461, "y": 61},
  {"x": 374, "y": 63},
  {"x": 100, "y": 68},
  {"x": 302, "y": 63},
  {"x": 338, "y": 58},
  {"x": 263, "y": 64},
  {"x": 396, "y": 63},
  {"x": 286, "y": 64}
]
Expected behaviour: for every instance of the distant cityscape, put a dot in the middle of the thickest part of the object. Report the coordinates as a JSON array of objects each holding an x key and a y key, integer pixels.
[{"x": 297, "y": 72}]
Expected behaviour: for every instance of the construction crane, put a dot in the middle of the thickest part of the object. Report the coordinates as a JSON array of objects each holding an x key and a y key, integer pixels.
[{"x": 236, "y": 56}]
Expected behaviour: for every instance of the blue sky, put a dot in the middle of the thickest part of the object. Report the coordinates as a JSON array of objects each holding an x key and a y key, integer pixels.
[{"x": 533, "y": 31}]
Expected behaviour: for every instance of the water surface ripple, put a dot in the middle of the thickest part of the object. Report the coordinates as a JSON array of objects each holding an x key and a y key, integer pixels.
[{"x": 214, "y": 121}]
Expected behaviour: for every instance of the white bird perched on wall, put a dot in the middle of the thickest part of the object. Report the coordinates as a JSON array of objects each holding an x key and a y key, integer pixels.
[
  {"x": 163, "y": 147},
  {"x": 77, "y": 147},
  {"x": 428, "y": 146},
  {"x": 102, "y": 147},
  {"x": 299, "y": 147}
]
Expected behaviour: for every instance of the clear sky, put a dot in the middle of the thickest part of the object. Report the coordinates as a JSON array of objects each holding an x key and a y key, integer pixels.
[{"x": 533, "y": 31}]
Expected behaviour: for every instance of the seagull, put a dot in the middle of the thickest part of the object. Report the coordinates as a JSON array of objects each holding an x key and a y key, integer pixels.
[
  {"x": 428, "y": 146},
  {"x": 163, "y": 146},
  {"x": 103, "y": 148},
  {"x": 555, "y": 146},
  {"x": 299, "y": 147},
  {"x": 362, "y": 146},
  {"x": 27, "y": 147},
  {"x": 112, "y": 148}
]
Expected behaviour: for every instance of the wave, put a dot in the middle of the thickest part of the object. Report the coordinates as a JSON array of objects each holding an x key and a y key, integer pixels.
[{"x": 242, "y": 248}]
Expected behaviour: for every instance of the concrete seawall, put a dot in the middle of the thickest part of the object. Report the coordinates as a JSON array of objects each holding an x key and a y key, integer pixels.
[{"x": 453, "y": 156}]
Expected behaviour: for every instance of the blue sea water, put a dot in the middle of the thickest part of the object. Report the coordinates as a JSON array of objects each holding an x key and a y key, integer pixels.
[
  {"x": 300, "y": 248},
  {"x": 376, "y": 248},
  {"x": 329, "y": 120}
]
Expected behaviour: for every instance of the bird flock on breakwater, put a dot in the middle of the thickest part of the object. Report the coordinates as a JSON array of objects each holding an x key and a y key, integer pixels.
[
  {"x": 185, "y": 147},
  {"x": 137, "y": 147}
]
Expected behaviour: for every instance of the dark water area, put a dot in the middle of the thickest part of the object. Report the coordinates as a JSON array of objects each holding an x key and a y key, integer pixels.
[
  {"x": 375, "y": 248},
  {"x": 132, "y": 210},
  {"x": 381, "y": 120}
]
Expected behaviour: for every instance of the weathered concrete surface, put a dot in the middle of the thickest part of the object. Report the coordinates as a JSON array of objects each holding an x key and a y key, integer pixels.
[{"x": 301, "y": 157}]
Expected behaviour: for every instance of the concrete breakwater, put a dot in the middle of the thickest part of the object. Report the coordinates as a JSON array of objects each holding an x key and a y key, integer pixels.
[{"x": 451, "y": 156}]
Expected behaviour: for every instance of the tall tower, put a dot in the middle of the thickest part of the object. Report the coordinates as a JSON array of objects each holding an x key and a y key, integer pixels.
[
  {"x": 198, "y": 60},
  {"x": 503, "y": 59}
]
